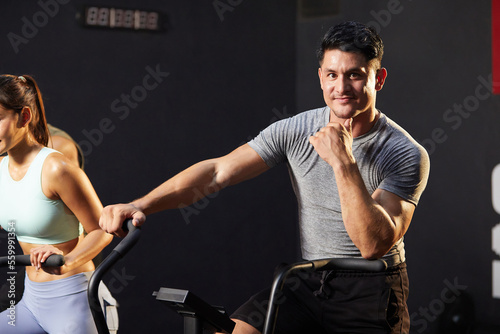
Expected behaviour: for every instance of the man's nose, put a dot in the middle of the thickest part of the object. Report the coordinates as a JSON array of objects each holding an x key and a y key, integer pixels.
[{"x": 343, "y": 85}]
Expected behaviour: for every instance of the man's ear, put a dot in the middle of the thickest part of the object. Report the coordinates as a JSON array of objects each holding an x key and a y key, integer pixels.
[
  {"x": 380, "y": 77},
  {"x": 25, "y": 117},
  {"x": 320, "y": 75}
]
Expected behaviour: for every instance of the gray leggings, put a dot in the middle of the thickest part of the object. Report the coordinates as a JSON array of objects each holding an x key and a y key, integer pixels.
[{"x": 55, "y": 307}]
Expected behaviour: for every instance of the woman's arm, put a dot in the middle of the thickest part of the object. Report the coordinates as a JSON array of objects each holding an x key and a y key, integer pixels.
[{"x": 62, "y": 180}]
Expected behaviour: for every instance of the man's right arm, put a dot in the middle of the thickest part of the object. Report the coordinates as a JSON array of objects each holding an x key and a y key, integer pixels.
[{"x": 187, "y": 187}]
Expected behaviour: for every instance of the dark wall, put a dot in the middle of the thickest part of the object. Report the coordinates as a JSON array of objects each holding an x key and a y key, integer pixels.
[
  {"x": 224, "y": 76},
  {"x": 221, "y": 77},
  {"x": 438, "y": 57}
]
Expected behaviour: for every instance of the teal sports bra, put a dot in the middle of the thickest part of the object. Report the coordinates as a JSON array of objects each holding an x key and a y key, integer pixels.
[{"x": 26, "y": 211}]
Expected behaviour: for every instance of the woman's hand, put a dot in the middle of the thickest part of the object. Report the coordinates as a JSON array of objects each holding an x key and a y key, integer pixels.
[{"x": 39, "y": 254}]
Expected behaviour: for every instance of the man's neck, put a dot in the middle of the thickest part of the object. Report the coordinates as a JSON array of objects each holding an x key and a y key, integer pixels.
[{"x": 361, "y": 123}]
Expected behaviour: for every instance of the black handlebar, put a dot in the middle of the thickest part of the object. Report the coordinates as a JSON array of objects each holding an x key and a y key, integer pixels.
[
  {"x": 54, "y": 260},
  {"x": 359, "y": 264},
  {"x": 116, "y": 254},
  {"x": 348, "y": 264}
]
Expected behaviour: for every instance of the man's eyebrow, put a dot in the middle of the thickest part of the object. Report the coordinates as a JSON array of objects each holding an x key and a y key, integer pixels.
[{"x": 352, "y": 69}]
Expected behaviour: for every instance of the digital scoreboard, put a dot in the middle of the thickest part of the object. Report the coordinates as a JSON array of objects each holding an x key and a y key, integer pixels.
[{"x": 120, "y": 18}]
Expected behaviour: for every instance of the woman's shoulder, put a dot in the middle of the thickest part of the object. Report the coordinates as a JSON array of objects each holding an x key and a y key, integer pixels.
[
  {"x": 59, "y": 174},
  {"x": 57, "y": 164}
]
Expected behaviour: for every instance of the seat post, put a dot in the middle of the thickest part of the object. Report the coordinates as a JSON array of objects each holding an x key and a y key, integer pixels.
[{"x": 192, "y": 325}]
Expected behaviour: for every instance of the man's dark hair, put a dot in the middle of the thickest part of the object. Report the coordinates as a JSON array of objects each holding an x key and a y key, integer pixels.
[{"x": 352, "y": 37}]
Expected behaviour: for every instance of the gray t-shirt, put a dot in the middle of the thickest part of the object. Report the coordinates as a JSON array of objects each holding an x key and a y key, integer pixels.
[{"x": 387, "y": 157}]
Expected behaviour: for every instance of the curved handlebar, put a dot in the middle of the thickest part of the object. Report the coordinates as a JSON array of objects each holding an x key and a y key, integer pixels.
[
  {"x": 359, "y": 264},
  {"x": 54, "y": 260},
  {"x": 116, "y": 254}
]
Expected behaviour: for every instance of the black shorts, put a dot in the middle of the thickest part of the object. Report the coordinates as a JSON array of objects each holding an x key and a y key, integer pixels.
[{"x": 342, "y": 301}]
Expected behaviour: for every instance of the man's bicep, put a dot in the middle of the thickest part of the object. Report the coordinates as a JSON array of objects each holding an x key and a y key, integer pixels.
[
  {"x": 241, "y": 164},
  {"x": 400, "y": 210}
]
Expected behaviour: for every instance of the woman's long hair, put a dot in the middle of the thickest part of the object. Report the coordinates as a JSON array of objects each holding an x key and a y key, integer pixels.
[{"x": 17, "y": 92}]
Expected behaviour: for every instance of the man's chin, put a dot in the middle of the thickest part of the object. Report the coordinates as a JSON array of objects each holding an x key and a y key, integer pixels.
[{"x": 344, "y": 113}]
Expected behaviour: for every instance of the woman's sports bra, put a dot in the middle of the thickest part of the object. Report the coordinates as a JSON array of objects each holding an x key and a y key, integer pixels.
[{"x": 27, "y": 212}]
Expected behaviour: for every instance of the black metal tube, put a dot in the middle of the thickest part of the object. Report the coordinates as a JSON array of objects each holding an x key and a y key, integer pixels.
[
  {"x": 279, "y": 281},
  {"x": 315, "y": 265},
  {"x": 93, "y": 291},
  {"x": 116, "y": 254},
  {"x": 193, "y": 325}
]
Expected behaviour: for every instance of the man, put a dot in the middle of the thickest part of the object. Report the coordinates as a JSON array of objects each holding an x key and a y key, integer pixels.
[
  {"x": 358, "y": 177},
  {"x": 61, "y": 141}
]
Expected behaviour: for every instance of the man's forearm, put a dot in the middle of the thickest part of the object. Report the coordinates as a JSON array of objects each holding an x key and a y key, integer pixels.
[{"x": 368, "y": 224}]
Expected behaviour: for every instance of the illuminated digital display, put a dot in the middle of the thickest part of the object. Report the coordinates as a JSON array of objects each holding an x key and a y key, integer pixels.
[{"x": 116, "y": 18}]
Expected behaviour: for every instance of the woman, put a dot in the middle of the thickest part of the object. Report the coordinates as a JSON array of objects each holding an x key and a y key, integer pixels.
[{"x": 43, "y": 197}]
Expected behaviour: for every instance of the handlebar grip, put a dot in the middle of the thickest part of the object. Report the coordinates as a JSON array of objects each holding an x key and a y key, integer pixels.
[
  {"x": 128, "y": 226},
  {"x": 350, "y": 264},
  {"x": 55, "y": 260}
]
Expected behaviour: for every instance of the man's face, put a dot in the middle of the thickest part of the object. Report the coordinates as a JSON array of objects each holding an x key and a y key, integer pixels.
[{"x": 349, "y": 83}]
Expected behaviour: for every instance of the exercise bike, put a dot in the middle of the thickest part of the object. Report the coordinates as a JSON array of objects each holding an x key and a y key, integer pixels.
[{"x": 199, "y": 316}]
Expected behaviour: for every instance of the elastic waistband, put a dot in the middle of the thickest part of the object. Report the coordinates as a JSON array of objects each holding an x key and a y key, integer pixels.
[
  {"x": 327, "y": 276},
  {"x": 393, "y": 260},
  {"x": 61, "y": 287}
]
